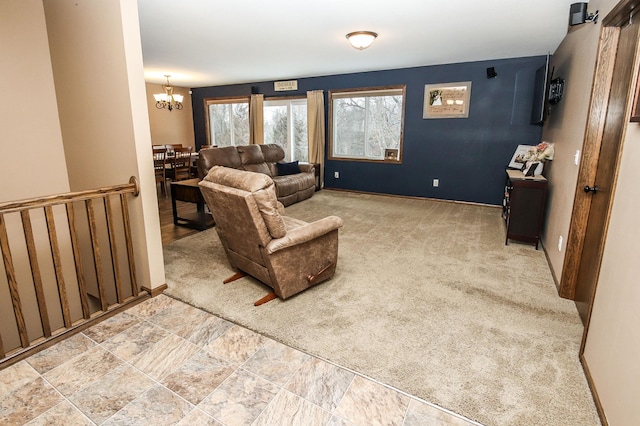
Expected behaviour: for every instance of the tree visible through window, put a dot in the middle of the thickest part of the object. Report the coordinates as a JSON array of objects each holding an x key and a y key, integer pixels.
[
  {"x": 285, "y": 124},
  {"x": 228, "y": 122},
  {"x": 365, "y": 123}
]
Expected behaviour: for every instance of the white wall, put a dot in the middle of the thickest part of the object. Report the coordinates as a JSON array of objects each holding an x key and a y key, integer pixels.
[
  {"x": 574, "y": 61},
  {"x": 96, "y": 54},
  {"x": 612, "y": 350},
  {"x": 613, "y": 342},
  {"x": 32, "y": 161}
]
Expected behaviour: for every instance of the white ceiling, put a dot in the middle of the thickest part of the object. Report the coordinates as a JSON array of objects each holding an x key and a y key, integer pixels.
[{"x": 216, "y": 42}]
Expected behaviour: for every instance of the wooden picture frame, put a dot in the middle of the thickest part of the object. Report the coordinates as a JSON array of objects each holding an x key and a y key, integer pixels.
[{"x": 447, "y": 100}]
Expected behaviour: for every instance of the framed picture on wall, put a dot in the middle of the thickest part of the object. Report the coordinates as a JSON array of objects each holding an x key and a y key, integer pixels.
[{"x": 447, "y": 100}]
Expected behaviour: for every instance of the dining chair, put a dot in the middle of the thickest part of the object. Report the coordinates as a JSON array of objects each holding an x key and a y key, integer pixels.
[
  {"x": 159, "y": 167},
  {"x": 180, "y": 163},
  {"x": 171, "y": 147}
]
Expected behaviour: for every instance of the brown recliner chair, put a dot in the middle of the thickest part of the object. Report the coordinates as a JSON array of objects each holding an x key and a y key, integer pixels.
[{"x": 286, "y": 254}]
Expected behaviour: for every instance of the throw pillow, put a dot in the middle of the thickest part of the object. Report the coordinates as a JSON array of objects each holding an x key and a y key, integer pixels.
[{"x": 288, "y": 168}]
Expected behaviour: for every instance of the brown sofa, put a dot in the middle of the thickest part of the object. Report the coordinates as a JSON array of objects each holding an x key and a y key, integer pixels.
[
  {"x": 287, "y": 254},
  {"x": 266, "y": 159}
]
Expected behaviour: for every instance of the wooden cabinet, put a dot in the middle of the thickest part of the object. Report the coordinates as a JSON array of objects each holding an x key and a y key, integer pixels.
[
  {"x": 189, "y": 191},
  {"x": 524, "y": 206}
]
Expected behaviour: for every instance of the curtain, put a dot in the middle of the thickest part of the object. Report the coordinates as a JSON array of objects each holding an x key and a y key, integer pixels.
[
  {"x": 256, "y": 120},
  {"x": 315, "y": 129}
]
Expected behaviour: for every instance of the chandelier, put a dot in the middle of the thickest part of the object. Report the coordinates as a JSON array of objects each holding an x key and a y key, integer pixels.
[
  {"x": 167, "y": 99},
  {"x": 361, "y": 39}
]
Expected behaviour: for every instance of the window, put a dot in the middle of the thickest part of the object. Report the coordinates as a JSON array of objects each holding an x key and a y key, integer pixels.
[
  {"x": 285, "y": 124},
  {"x": 227, "y": 121},
  {"x": 367, "y": 122}
]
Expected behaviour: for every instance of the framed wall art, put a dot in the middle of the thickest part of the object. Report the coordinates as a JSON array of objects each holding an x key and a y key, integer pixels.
[{"x": 447, "y": 100}]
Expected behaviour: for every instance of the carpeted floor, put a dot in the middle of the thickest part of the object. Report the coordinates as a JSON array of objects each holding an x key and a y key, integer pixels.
[{"x": 426, "y": 298}]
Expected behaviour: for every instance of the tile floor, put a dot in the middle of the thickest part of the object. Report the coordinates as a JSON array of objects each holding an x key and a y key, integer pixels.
[{"x": 164, "y": 362}]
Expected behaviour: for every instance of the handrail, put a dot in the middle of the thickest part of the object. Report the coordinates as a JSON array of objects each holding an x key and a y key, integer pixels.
[
  {"x": 126, "y": 188},
  {"x": 82, "y": 296}
]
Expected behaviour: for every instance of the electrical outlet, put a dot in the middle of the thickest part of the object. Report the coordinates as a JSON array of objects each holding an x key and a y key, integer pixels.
[
  {"x": 576, "y": 157},
  {"x": 436, "y": 183},
  {"x": 336, "y": 175},
  {"x": 560, "y": 243}
]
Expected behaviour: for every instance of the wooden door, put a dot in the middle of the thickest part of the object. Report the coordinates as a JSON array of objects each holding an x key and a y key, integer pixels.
[{"x": 595, "y": 188}]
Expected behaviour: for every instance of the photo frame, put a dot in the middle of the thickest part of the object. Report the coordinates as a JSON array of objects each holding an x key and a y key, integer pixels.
[
  {"x": 447, "y": 100},
  {"x": 391, "y": 154},
  {"x": 519, "y": 159}
]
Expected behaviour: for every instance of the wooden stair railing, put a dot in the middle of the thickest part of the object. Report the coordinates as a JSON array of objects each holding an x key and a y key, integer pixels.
[{"x": 69, "y": 263}]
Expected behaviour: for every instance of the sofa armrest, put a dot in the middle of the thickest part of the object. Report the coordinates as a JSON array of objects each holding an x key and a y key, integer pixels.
[
  {"x": 305, "y": 233},
  {"x": 306, "y": 167}
]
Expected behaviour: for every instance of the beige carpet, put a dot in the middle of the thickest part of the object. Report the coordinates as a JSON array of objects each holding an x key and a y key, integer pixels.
[{"x": 426, "y": 298}]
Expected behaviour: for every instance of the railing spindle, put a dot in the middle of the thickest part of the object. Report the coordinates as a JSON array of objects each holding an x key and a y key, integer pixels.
[
  {"x": 13, "y": 284},
  {"x": 57, "y": 266},
  {"x": 114, "y": 249},
  {"x": 35, "y": 272},
  {"x": 127, "y": 237},
  {"x": 97, "y": 259},
  {"x": 75, "y": 247}
]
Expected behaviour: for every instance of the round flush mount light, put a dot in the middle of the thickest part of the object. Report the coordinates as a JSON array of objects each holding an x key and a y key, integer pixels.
[{"x": 361, "y": 39}]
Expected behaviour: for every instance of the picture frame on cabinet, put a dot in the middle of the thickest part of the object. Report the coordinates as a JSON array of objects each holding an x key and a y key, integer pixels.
[{"x": 520, "y": 157}]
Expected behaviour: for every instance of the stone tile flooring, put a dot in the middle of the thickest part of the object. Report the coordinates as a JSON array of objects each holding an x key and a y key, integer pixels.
[{"x": 164, "y": 362}]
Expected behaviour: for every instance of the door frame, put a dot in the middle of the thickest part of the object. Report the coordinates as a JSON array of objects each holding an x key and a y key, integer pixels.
[{"x": 598, "y": 106}]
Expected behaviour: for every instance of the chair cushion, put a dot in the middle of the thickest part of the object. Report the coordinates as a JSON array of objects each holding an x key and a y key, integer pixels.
[
  {"x": 263, "y": 190},
  {"x": 288, "y": 168}
]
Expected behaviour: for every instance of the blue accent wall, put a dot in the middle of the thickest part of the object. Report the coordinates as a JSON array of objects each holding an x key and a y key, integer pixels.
[{"x": 467, "y": 155}]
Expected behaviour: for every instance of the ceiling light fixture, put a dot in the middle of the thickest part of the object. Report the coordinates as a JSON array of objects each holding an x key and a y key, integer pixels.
[
  {"x": 361, "y": 39},
  {"x": 167, "y": 99}
]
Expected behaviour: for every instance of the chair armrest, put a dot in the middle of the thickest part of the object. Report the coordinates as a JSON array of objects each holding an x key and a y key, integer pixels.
[{"x": 305, "y": 233}]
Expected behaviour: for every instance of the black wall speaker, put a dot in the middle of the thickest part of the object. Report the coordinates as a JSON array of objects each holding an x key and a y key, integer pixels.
[
  {"x": 577, "y": 13},
  {"x": 491, "y": 72}
]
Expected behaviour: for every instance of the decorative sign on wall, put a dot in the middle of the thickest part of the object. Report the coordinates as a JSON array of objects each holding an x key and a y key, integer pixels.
[
  {"x": 447, "y": 100},
  {"x": 282, "y": 86}
]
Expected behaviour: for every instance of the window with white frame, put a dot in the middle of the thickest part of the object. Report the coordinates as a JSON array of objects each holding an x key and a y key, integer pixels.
[
  {"x": 285, "y": 124},
  {"x": 227, "y": 121},
  {"x": 367, "y": 123}
]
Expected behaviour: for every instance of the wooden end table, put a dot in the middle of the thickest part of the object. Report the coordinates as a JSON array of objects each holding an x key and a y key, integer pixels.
[{"x": 189, "y": 191}]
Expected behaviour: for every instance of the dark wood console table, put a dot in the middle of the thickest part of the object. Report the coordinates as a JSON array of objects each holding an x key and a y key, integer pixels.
[
  {"x": 189, "y": 191},
  {"x": 524, "y": 206}
]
